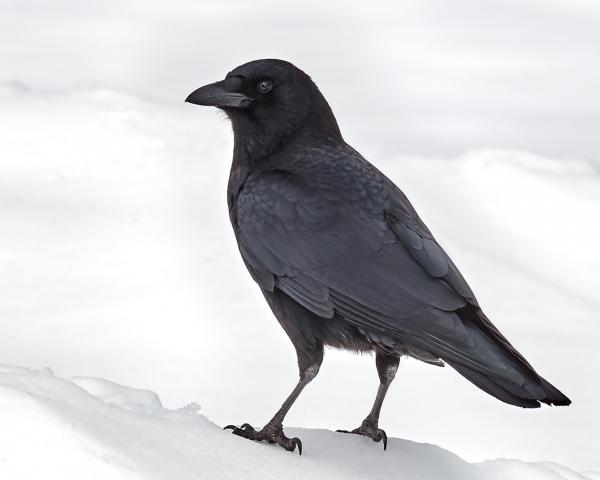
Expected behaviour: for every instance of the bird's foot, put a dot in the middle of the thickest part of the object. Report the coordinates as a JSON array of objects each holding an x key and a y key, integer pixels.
[
  {"x": 272, "y": 433},
  {"x": 370, "y": 429}
]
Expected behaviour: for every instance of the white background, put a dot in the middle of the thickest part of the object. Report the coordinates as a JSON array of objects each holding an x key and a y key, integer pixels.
[{"x": 117, "y": 260}]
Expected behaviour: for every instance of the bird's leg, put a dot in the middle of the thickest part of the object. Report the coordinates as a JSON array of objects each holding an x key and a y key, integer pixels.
[
  {"x": 386, "y": 368},
  {"x": 272, "y": 432}
]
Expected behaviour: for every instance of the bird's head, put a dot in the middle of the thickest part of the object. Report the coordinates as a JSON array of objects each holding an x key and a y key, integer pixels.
[{"x": 268, "y": 102}]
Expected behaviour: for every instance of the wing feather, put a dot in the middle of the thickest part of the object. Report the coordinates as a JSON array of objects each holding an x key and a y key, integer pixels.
[{"x": 332, "y": 257}]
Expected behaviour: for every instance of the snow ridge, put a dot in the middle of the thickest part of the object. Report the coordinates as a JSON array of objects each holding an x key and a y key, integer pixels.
[{"x": 53, "y": 428}]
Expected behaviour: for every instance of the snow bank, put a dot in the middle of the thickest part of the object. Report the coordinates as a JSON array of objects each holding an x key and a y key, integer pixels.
[{"x": 53, "y": 428}]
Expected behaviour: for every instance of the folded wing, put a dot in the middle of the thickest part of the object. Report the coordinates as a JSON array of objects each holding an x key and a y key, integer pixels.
[{"x": 367, "y": 257}]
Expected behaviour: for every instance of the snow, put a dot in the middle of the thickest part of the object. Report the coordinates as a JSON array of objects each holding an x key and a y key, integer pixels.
[
  {"x": 139, "y": 400},
  {"x": 118, "y": 262},
  {"x": 74, "y": 429}
]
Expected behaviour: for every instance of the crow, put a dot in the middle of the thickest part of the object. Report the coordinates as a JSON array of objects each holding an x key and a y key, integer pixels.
[{"x": 340, "y": 254}]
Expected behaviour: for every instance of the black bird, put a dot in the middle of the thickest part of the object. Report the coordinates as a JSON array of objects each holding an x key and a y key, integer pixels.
[{"x": 340, "y": 254}]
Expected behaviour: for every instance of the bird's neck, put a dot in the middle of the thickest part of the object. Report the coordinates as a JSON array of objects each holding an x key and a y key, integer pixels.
[
  {"x": 257, "y": 140},
  {"x": 280, "y": 144}
]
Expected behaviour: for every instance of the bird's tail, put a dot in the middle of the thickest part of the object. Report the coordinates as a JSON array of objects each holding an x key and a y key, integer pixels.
[{"x": 501, "y": 371}]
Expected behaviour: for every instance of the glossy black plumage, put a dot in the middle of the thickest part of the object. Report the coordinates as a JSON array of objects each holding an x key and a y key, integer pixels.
[{"x": 320, "y": 226}]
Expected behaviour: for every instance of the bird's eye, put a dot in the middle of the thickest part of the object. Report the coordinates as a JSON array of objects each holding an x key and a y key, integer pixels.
[{"x": 264, "y": 86}]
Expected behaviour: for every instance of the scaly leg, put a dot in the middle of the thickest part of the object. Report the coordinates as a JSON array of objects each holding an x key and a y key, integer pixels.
[
  {"x": 309, "y": 363},
  {"x": 386, "y": 368}
]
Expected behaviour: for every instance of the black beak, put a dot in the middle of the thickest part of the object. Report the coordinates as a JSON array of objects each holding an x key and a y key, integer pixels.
[{"x": 221, "y": 94}]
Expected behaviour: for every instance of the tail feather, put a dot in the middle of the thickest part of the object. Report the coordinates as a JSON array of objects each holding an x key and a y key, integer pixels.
[
  {"x": 489, "y": 386},
  {"x": 517, "y": 383},
  {"x": 554, "y": 395}
]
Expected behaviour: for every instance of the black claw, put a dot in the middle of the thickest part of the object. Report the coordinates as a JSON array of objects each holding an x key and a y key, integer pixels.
[
  {"x": 296, "y": 441},
  {"x": 267, "y": 434},
  {"x": 236, "y": 430},
  {"x": 375, "y": 435},
  {"x": 247, "y": 427},
  {"x": 384, "y": 438}
]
